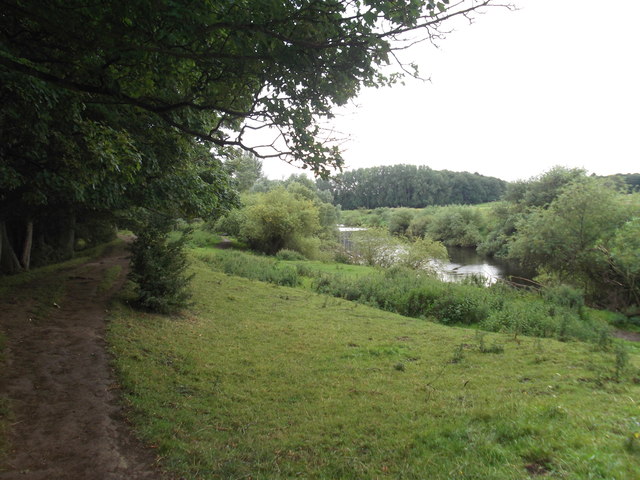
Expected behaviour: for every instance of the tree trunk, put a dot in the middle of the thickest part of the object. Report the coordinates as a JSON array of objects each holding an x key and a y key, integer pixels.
[
  {"x": 25, "y": 259},
  {"x": 67, "y": 238},
  {"x": 8, "y": 260}
]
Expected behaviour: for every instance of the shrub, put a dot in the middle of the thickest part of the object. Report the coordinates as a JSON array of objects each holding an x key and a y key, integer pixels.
[
  {"x": 459, "y": 308},
  {"x": 286, "y": 254},
  {"x": 564, "y": 295},
  {"x": 457, "y": 225},
  {"x": 158, "y": 267},
  {"x": 399, "y": 221}
]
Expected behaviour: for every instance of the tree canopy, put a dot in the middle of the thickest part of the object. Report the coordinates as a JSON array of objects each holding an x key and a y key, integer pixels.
[{"x": 206, "y": 68}]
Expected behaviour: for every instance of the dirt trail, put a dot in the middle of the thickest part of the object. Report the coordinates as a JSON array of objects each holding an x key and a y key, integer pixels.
[
  {"x": 68, "y": 423},
  {"x": 630, "y": 336}
]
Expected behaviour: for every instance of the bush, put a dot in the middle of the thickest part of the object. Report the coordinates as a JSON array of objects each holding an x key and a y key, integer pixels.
[
  {"x": 399, "y": 221},
  {"x": 459, "y": 308},
  {"x": 286, "y": 254},
  {"x": 158, "y": 267},
  {"x": 457, "y": 225},
  {"x": 564, "y": 295}
]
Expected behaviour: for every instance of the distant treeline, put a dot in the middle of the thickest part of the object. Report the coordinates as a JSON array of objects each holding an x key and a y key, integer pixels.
[
  {"x": 410, "y": 186},
  {"x": 628, "y": 181}
]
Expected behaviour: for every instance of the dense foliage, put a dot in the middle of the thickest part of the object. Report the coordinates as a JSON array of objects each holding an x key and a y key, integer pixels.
[
  {"x": 410, "y": 186},
  {"x": 575, "y": 239},
  {"x": 290, "y": 215},
  {"x": 566, "y": 227},
  {"x": 453, "y": 225},
  {"x": 205, "y": 67},
  {"x": 158, "y": 267},
  {"x": 378, "y": 247}
]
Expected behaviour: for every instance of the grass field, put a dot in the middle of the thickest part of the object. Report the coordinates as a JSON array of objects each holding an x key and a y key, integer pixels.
[{"x": 266, "y": 382}]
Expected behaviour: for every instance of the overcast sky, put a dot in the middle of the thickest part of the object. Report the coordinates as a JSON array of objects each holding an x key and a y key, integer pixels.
[{"x": 512, "y": 95}]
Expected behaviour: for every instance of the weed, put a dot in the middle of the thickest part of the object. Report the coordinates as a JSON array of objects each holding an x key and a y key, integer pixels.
[
  {"x": 493, "y": 348},
  {"x": 255, "y": 267},
  {"x": 458, "y": 354},
  {"x": 633, "y": 440},
  {"x": 632, "y": 445},
  {"x": 621, "y": 363}
]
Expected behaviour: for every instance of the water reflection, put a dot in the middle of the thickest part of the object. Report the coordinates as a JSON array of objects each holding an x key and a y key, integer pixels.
[{"x": 465, "y": 262}]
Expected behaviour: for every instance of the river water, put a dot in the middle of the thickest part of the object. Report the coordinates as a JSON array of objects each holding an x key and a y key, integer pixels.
[{"x": 465, "y": 262}]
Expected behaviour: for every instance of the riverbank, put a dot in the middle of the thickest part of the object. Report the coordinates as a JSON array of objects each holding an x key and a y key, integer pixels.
[
  {"x": 552, "y": 312},
  {"x": 271, "y": 382}
]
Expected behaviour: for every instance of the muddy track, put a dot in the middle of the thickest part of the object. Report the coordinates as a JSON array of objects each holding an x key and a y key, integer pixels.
[{"x": 67, "y": 421}]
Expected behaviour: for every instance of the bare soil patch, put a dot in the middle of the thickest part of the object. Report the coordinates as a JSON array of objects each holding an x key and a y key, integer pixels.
[
  {"x": 624, "y": 334},
  {"x": 67, "y": 420}
]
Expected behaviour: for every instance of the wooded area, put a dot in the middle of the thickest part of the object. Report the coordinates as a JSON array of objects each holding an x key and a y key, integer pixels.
[{"x": 410, "y": 186}]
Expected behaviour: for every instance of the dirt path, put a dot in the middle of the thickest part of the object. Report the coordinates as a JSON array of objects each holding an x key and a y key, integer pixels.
[
  {"x": 225, "y": 243},
  {"x": 68, "y": 423},
  {"x": 630, "y": 336}
]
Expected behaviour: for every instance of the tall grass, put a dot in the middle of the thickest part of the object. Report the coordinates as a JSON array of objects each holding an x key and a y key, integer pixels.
[
  {"x": 254, "y": 267},
  {"x": 197, "y": 238},
  {"x": 499, "y": 308}
]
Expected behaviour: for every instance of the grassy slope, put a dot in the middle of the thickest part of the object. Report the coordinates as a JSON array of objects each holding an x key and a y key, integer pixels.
[{"x": 267, "y": 382}]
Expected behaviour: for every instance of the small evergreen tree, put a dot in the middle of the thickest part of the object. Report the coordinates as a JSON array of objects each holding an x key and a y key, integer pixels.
[{"x": 158, "y": 267}]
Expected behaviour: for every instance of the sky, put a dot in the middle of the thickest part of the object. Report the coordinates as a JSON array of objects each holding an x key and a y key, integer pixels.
[{"x": 511, "y": 95}]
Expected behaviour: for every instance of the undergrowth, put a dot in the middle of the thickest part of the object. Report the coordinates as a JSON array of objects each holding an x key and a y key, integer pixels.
[{"x": 255, "y": 267}]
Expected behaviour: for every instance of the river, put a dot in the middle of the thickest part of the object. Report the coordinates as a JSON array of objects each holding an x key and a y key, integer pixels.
[{"x": 465, "y": 262}]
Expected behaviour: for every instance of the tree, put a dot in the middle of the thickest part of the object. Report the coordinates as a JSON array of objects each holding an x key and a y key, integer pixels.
[
  {"x": 279, "y": 219},
  {"x": 214, "y": 69},
  {"x": 540, "y": 191},
  {"x": 562, "y": 238},
  {"x": 378, "y": 247},
  {"x": 158, "y": 267},
  {"x": 63, "y": 161},
  {"x": 622, "y": 253},
  {"x": 410, "y": 186},
  {"x": 245, "y": 169},
  {"x": 457, "y": 225},
  {"x": 375, "y": 247},
  {"x": 520, "y": 200}
]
